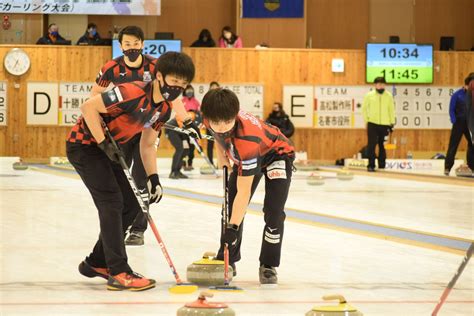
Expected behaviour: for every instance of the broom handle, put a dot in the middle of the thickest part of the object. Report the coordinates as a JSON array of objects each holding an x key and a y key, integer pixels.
[
  {"x": 226, "y": 221},
  {"x": 451, "y": 283}
]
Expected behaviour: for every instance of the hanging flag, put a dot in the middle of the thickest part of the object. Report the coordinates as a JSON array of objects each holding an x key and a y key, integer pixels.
[{"x": 272, "y": 8}]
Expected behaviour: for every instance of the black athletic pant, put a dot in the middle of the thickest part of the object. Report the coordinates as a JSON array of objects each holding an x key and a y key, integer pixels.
[
  {"x": 115, "y": 202},
  {"x": 459, "y": 128},
  {"x": 177, "y": 140},
  {"x": 131, "y": 151},
  {"x": 191, "y": 153},
  {"x": 276, "y": 193},
  {"x": 210, "y": 147},
  {"x": 376, "y": 135}
]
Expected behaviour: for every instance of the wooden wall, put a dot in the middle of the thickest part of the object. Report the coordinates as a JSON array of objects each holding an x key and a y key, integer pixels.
[
  {"x": 185, "y": 18},
  {"x": 338, "y": 24},
  {"x": 389, "y": 18},
  {"x": 24, "y": 29},
  {"x": 273, "y": 68},
  {"x": 445, "y": 18},
  {"x": 48, "y": 63}
]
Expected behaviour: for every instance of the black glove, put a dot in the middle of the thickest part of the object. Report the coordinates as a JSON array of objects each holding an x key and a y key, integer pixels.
[
  {"x": 192, "y": 128},
  {"x": 110, "y": 150},
  {"x": 155, "y": 190},
  {"x": 230, "y": 236},
  {"x": 390, "y": 129}
]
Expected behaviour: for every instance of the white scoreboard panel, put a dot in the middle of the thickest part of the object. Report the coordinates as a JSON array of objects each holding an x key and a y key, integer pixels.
[
  {"x": 339, "y": 106},
  {"x": 71, "y": 97},
  {"x": 250, "y": 95},
  {"x": 424, "y": 107}
]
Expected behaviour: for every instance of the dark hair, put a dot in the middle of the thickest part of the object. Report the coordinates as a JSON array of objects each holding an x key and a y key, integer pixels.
[
  {"x": 187, "y": 87},
  {"x": 280, "y": 108},
  {"x": 174, "y": 63},
  {"x": 220, "y": 105},
  {"x": 49, "y": 27},
  {"x": 380, "y": 80},
  {"x": 133, "y": 31},
  {"x": 93, "y": 25},
  {"x": 469, "y": 78},
  {"x": 214, "y": 83},
  {"x": 205, "y": 33},
  {"x": 232, "y": 39}
]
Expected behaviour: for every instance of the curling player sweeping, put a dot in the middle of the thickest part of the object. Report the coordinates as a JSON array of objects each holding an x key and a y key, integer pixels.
[
  {"x": 126, "y": 110},
  {"x": 257, "y": 150}
]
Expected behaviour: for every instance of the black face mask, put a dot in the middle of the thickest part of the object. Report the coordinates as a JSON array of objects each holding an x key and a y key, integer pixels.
[
  {"x": 380, "y": 91},
  {"x": 227, "y": 134},
  {"x": 170, "y": 93},
  {"x": 132, "y": 54}
]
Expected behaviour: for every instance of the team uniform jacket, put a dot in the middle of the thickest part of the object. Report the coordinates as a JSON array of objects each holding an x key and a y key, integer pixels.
[
  {"x": 130, "y": 109},
  {"x": 117, "y": 72},
  {"x": 254, "y": 144}
]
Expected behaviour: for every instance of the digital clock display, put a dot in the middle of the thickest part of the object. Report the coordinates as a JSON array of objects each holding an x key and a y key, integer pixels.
[
  {"x": 151, "y": 47},
  {"x": 399, "y": 63}
]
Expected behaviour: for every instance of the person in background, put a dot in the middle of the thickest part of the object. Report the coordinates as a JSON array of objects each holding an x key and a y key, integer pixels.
[
  {"x": 458, "y": 113},
  {"x": 189, "y": 101},
  {"x": 180, "y": 142},
  {"x": 229, "y": 39},
  {"x": 204, "y": 40},
  {"x": 280, "y": 119},
  {"x": 52, "y": 37},
  {"x": 210, "y": 143},
  {"x": 379, "y": 114},
  {"x": 470, "y": 107},
  {"x": 90, "y": 37},
  {"x": 190, "y": 104}
]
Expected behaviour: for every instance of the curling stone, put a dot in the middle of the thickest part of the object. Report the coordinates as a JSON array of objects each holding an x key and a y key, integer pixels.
[
  {"x": 207, "y": 271},
  {"x": 306, "y": 165},
  {"x": 315, "y": 179},
  {"x": 345, "y": 175},
  {"x": 463, "y": 171},
  {"x": 342, "y": 309},
  {"x": 19, "y": 165},
  {"x": 62, "y": 162},
  {"x": 201, "y": 307},
  {"x": 206, "y": 169}
]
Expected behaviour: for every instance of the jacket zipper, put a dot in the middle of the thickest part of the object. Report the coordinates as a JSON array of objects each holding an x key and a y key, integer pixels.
[{"x": 380, "y": 109}]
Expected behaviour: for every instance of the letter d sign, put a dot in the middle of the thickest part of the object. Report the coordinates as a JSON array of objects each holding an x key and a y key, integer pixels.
[{"x": 42, "y": 103}]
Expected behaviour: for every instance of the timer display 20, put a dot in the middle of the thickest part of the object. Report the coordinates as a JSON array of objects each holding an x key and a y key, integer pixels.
[
  {"x": 154, "y": 48},
  {"x": 399, "y": 63}
]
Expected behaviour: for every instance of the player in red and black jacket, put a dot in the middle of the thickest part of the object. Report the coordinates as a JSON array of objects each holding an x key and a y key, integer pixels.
[
  {"x": 127, "y": 109},
  {"x": 256, "y": 149},
  {"x": 131, "y": 66}
]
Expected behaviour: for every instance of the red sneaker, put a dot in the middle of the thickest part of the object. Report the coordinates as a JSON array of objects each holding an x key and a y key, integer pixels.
[
  {"x": 89, "y": 271},
  {"x": 129, "y": 281}
]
